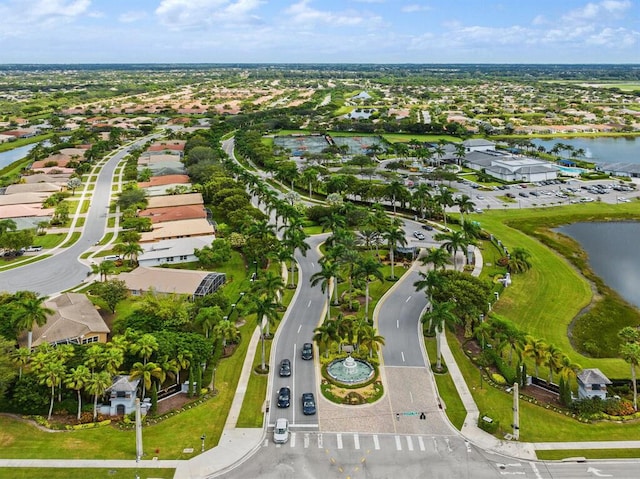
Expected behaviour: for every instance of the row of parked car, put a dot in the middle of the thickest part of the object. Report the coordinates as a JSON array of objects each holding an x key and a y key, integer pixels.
[{"x": 281, "y": 429}]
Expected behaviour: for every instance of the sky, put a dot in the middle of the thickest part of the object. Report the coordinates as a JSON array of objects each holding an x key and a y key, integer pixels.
[{"x": 320, "y": 31}]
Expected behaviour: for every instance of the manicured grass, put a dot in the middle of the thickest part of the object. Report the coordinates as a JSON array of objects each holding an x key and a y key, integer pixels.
[
  {"x": 251, "y": 414},
  {"x": 454, "y": 408},
  {"x": 559, "y": 454},
  {"x": 50, "y": 240},
  {"x": 544, "y": 301},
  {"x": 75, "y": 236},
  {"x": 537, "y": 424},
  {"x": 398, "y": 137},
  {"x": 83, "y": 473}
]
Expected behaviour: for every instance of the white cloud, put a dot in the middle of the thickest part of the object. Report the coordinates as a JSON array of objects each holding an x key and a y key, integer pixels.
[
  {"x": 26, "y": 18},
  {"x": 202, "y": 14},
  {"x": 596, "y": 11},
  {"x": 132, "y": 16},
  {"x": 302, "y": 14},
  {"x": 64, "y": 8},
  {"x": 414, "y": 7}
]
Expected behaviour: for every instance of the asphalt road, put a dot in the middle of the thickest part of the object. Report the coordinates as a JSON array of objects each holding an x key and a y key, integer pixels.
[{"x": 64, "y": 270}]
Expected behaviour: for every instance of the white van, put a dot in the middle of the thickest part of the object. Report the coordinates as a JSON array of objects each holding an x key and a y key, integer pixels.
[{"x": 112, "y": 257}]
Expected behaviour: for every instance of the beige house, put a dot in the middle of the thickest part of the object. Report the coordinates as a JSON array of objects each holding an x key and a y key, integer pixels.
[
  {"x": 172, "y": 281},
  {"x": 178, "y": 229},
  {"x": 32, "y": 188},
  {"x": 175, "y": 200},
  {"x": 75, "y": 320}
]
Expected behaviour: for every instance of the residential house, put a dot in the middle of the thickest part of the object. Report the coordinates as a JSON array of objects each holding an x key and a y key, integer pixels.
[
  {"x": 173, "y": 213},
  {"x": 172, "y": 281},
  {"x": 173, "y": 250},
  {"x": 74, "y": 320},
  {"x": 592, "y": 383},
  {"x": 175, "y": 200},
  {"x": 178, "y": 229},
  {"x": 122, "y": 396}
]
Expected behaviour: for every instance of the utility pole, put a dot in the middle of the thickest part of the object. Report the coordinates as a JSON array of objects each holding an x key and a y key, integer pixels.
[
  {"x": 138, "y": 431},
  {"x": 516, "y": 412}
]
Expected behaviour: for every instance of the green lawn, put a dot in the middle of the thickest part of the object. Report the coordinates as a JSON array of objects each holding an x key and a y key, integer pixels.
[
  {"x": 83, "y": 473},
  {"x": 559, "y": 454},
  {"x": 447, "y": 391}
]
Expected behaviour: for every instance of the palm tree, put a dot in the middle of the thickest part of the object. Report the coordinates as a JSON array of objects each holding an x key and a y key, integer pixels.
[
  {"x": 129, "y": 250},
  {"x": 630, "y": 352},
  {"x": 29, "y": 311},
  {"x": 266, "y": 311},
  {"x": 452, "y": 242},
  {"x": 96, "y": 385},
  {"x": 396, "y": 190},
  {"x": 183, "y": 361},
  {"x": 519, "y": 261},
  {"x": 327, "y": 274},
  {"x": 394, "y": 236},
  {"x": 368, "y": 337},
  {"x": 535, "y": 349},
  {"x": 568, "y": 369},
  {"x": 7, "y": 225},
  {"x": 21, "y": 357},
  {"x": 77, "y": 380},
  {"x": 429, "y": 281},
  {"x": 208, "y": 317},
  {"x": 51, "y": 373},
  {"x": 438, "y": 257},
  {"x": 226, "y": 331},
  {"x": 440, "y": 316},
  {"x": 465, "y": 204},
  {"x": 145, "y": 346},
  {"x": 368, "y": 268},
  {"x": 553, "y": 360},
  {"x": 324, "y": 335},
  {"x": 104, "y": 268},
  {"x": 444, "y": 198},
  {"x": 145, "y": 372}
]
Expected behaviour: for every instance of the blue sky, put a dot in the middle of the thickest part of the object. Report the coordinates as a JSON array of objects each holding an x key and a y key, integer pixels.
[{"x": 313, "y": 31}]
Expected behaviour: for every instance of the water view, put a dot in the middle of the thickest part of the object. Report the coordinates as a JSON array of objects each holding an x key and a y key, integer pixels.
[
  {"x": 599, "y": 150},
  {"x": 614, "y": 253},
  {"x": 11, "y": 156}
]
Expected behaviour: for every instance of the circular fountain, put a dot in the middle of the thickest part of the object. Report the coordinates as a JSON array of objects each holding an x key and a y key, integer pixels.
[{"x": 350, "y": 370}]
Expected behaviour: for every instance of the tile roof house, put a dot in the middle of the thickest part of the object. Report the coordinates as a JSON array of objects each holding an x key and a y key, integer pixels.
[
  {"x": 592, "y": 383},
  {"x": 74, "y": 320},
  {"x": 173, "y": 213},
  {"x": 25, "y": 211},
  {"x": 172, "y": 145},
  {"x": 178, "y": 229},
  {"x": 172, "y": 281},
  {"x": 173, "y": 250},
  {"x": 23, "y": 198},
  {"x": 175, "y": 200},
  {"x": 164, "y": 180},
  {"x": 32, "y": 188},
  {"x": 56, "y": 179}
]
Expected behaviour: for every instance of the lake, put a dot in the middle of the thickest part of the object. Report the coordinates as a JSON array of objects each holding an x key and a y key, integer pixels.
[
  {"x": 614, "y": 252},
  {"x": 599, "y": 150},
  {"x": 11, "y": 156}
]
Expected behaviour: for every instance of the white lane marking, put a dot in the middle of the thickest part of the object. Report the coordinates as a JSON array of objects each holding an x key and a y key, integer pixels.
[
  {"x": 299, "y": 328},
  {"x": 306, "y": 440},
  {"x": 293, "y": 439},
  {"x": 421, "y": 443},
  {"x": 309, "y": 305},
  {"x": 407, "y": 300},
  {"x": 446, "y": 439},
  {"x": 397, "y": 324},
  {"x": 266, "y": 443},
  {"x": 402, "y": 354},
  {"x": 468, "y": 446},
  {"x": 398, "y": 443},
  {"x": 319, "y": 441},
  {"x": 376, "y": 442},
  {"x": 535, "y": 470},
  {"x": 356, "y": 440},
  {"x": 409, "y": 443},
  {"x": 435, "y": 444},
  {"x": 410, "y": 396},
  {"x": 339, "y": 439}
]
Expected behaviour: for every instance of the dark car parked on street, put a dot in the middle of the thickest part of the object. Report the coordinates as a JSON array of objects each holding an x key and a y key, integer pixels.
[
  {"x": 284, "y": 397},
  {"x": 308, "y": 404},
  {"x": 307, "y": 351},
  {"x": 285, "y": 368}
]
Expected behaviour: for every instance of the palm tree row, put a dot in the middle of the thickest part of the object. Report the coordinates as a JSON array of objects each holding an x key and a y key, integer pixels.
[{"x": 347, "y": 330}]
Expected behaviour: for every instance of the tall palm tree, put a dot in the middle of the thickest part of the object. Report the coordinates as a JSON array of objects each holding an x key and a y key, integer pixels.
[
  {"x": 30, "y": 310},
  {"x": 630, "y": 352},
  {"x": 444, "y": 198},
  {"x": 394, "y": 236},
  {"x": 226, "y": 331},
  {"x": 452, "y": 242},
  {"x": 208, "y": 317},
  {"x": 421, "y": 194},
  {"x": 77, "y": 380},
  {"x": 368, "y": 268},
  {"x": 325, "y": 335},
  {"x": 104, "y": 268},
  {"x": 395, "y": 191},
  {"x": 465, "y": 205},
  {"x": 327, "y": 274},
  {"x": 51, "y": 373},
  {"x": 145, "y": 346},
  {"x": 519, "y": 261},
  {"x": 568, "y": 369},
  {"x": 429, "y": 281},
  {"x": 183, "y": 361},
  {"x": 553, "y": 361},
  {"x": 6, "y": 225},
  {"x": 21, "y": 358},
  {"x": 440, "y": 316},
  {"x": 96, "y": 385},
  {"x": 266, "y": 311}
]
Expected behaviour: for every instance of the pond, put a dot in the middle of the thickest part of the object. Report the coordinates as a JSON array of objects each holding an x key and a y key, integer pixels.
[
  {"x": 614, "y": 253},
  {"x": 11, "y": 156},
  {"x": 598, "y": 150}
]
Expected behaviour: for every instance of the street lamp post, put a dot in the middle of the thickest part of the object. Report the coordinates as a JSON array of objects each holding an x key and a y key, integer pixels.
[{"x": 202, "y": 438}]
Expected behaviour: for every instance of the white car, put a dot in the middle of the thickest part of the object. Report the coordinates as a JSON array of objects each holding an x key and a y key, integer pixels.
[
  {"x": 418, "y": 234},
  {"x": 281, "y": 431},
  {"x": 622, "y": 199}
]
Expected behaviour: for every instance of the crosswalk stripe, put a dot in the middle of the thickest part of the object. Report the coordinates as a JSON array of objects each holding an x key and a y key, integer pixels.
[
  {"x": 376, "y": 442},
  {"x": 339, "y": 440},
  {"x": 421, "y": 443},
  {"x": 356, "y": 440},
  {"x": 435, "y": 444},
  {"x": 398, "y": 443},
  {"x": 319, "y": 441},
  {"x": 306, "y": 440},
  {"x": 293, "y": 439},
  {"x": 409, "y": 443}
]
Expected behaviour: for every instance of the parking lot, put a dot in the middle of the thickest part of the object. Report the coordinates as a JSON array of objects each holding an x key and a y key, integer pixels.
[{"x": 548, "y": 193}]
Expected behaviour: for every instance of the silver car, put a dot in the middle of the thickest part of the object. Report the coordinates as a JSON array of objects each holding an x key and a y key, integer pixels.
[{"x": 281, "y": 431}]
